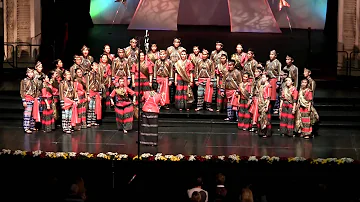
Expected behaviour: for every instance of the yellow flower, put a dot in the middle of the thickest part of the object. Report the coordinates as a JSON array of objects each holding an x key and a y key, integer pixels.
[
  {"x": 174, "y": 158},
  {"x": 136, "y": 157},
  {"x": 23, "y": 153}
]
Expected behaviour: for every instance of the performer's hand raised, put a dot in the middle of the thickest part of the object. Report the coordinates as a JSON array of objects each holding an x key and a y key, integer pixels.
[
  {"x": 222, "y": 94},
  {"x": 133, "y": 85},
  {"x": 112, "y": 102},
  {"x": 48, "y": 106}
]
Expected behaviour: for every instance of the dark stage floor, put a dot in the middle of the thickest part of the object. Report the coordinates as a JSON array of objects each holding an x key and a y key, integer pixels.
[{"x": 219, "y": 140}]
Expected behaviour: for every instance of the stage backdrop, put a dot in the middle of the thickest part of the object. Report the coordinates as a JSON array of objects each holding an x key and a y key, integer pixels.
[{"x": 301, "y": 14}]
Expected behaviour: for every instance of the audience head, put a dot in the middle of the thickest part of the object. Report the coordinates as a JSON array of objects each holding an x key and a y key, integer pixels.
[
  {"x": 198, "y": 182},
  {"x": 246, "y": 195},
  {"x": 196, "y": 197},
  {"x": 220, "y": 179}
]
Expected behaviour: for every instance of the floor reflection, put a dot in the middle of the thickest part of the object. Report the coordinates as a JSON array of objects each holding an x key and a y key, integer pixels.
[{"x": 330, "y": 143}]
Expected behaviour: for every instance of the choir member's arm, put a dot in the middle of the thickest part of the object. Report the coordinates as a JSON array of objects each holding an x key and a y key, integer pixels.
[
  {"x": 268, "y": 93},
  {"x": 133, "y": 69},
  {"x": 22, "y": 90},
  {"x": 196, "y": 74},
  {"x": 279, "y": 70},
  {"x": 151, "y": 71},
  {"x": 309, "y": 97},
  {"x": 43, "y": 93},
  {"x": 295, "y": 97},
  {"x": 113, "y": 65},
  {"x": 171, "y": 75},
  {"x": 132, "y": 93},
  {"x": 61, "y": 94},
  {"x": 175, "y": 79},
  {"x": 222, "y": 87},
  {"x": 128, "y": 73},
  {"x": 212, "y": 71},
  {"x": 112, "y": 95}
]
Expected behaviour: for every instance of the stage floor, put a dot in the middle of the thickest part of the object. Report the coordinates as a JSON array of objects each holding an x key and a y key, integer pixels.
[{"x": 217, "y": 140}]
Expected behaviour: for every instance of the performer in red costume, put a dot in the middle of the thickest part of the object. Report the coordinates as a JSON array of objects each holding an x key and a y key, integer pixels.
[
  {"x": 94, "y": 89},
  {"x": 250, "y": 65},
  {"x": 229, "y": 86},
  {"x": 105, "y": 69},
  {"x": 239, "y": 57},
  {"x": 146, "y": 75},
  {"x": 264, "y": 124},
  {"x": 254, "y": 108},
  {"x": 306, "y": 115},
  {"x": 80, "y": 87},
  {"x": 47, "y": 115},
  {"x": 195, "y": 56},
  {"x": 107, "y": 52},
  {"x": 204, "y": 79},
  {"x": 184, "y": 79},
  {"x": 68, "y": 99},
  {"x": 132, "y": 52},
  {"x": 120, "y": 68},
  {"x": 55, "y": 83},
  {"x": 153, "y": 54},
  {"x": 77, "y": 64},
  {"x": 86, "y": 59},
  {"x": 273, "y": 69},
  {"x": 220, "y": 71},
  {"x": 164, "y": 76},
  {"x": 59, "y": 69},
  {"x": 124, "y": 108},
  {"x": 244, "y": 100},
  {"x": 29, "y": 95},
  {"x": 287, "y": 108},
  {"x": 149, "y": 123}
]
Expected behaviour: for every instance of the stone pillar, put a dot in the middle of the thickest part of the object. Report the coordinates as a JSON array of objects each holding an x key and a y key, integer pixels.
[
  {"x": 22, "y": 27},
  {"x": 340, "y": 44}
]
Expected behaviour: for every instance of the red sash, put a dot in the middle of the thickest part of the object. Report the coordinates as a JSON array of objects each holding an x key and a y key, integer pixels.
[
  {"x": 164, "y": 87},
  {"x": 74, "y": 116},
  {"x": 209, "y": 90},
  {"x": 231, "y": 95},
  {"x": 97, "y": 104},
  {"x": 35, "y": 109}
]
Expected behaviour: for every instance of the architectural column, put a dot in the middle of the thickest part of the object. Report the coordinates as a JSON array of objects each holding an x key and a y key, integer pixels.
[
  {"x": 340, "y": 44},
  {"x": 22, "y": 27}
]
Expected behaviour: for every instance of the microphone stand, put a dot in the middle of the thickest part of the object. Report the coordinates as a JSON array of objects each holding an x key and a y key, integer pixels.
[{"x": 146, "y": 45}]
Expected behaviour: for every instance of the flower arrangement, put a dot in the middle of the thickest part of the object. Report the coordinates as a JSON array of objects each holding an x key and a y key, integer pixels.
[{"x": 233, "y": 158}]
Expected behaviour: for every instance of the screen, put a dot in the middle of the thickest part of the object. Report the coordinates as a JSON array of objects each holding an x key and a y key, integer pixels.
[{"x": 301, "y": 14}]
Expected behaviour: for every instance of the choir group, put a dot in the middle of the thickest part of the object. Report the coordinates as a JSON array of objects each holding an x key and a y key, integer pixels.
[{"x": 249, "y": 91}]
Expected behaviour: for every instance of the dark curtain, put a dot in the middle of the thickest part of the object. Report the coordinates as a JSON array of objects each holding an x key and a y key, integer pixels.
[
  {"x": 330, "y": 32},
  {"x": 65, "y": 26}
]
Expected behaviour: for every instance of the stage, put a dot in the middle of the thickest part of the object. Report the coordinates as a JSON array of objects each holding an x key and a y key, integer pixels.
[{"x": 217, "y": 139}]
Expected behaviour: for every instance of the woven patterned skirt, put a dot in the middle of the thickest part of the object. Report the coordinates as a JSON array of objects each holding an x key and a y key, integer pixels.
[
  {"x": 81, "y": 110},
  {"x": 149, "y": 128},
  {"x": 287, "y": 119},
  {"x": 47, "y": 116},
  {"x": 124, "y": 117},
  {"x": 181, "y": 94},
  {"x": 244, "y": 116}
]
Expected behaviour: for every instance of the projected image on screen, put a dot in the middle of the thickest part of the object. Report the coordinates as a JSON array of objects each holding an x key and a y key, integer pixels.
[{"x": 297, "y": 14}]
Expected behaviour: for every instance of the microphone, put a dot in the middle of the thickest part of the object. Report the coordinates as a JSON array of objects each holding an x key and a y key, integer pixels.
[{"x": 132, "y": 179}]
